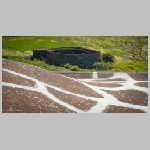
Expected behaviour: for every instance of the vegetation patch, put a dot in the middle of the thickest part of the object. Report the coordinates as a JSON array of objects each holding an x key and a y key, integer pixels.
[
  {"x": 71, "y": 67},
  {"x": 106, "y": 57},
  {"x": 102, "y": 66},
  {"x": 37, "y": 63},
  {"x": 124, "y": 53}
]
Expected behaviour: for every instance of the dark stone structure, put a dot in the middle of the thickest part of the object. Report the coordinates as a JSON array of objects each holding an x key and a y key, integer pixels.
[{"x": 84, "y": 58}]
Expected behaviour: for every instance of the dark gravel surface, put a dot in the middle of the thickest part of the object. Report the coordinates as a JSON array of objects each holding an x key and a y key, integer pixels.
[
  {"x": 112, "y": 85},
  {"x": 22, "y": 101},
  {"x": 116, "y": 79},
  {"x": 104, "y": 75},
  {"x": 7, "y": 77},
  {"x": 73, "y": 100},
  {"x": 120, "y": 109},
  {"x": 142, "y": 84},
  {"x": 131, "y": 96},
  {"x": 50, "y": 78},
  {"x": 139, "y": 76},
  {"x": 78, "y": 75}
]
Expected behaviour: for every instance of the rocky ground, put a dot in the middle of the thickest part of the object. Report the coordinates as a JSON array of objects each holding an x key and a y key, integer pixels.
[{"x": 28, "y": 89}]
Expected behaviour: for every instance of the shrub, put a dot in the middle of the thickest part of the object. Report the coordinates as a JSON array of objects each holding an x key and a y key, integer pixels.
[
  {"x": 71, "y": 67},
  {"x": 108, "y": 58},
  {"x": 74, "y": 68},
  {"x": 67, "y": 66},
  {"x": 131, "y": 67},
  {"x": 102, "y": 66}
]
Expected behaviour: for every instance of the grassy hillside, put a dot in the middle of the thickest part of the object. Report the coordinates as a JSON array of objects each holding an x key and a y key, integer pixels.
[{"x": 20, "y": 48}]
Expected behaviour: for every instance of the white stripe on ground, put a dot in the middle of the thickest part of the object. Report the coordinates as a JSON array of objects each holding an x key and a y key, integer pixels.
[
  {"x": 110, "y": 99},
  {"x": 53, "y": 87},
  {"x": 39, "y": 88},
  {"x": 43, "y": 90},
  {"x": 128, "y": 85},
  {"x": 94, "y": 75},
  {"x": 102, "y": 102}
]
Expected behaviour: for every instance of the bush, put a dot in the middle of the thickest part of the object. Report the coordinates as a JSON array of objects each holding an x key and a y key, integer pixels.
[
  {"x": 131, "y": 67},
  {"x": 71, "y": 67},
  {"x": 102, "y": 66},
  {"x": 108, "y": 58},
  {"x": 67, "y": 66},
  {"x": 74, "y": 68}
]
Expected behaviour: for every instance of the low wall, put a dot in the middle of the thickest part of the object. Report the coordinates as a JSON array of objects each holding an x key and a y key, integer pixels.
[{"x": 83, "y": 58}]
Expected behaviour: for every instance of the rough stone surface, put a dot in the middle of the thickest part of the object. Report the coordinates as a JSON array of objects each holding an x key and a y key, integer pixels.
[
  {"x": 29, "y": 102},
  {"x": 83, "y": 58},
  {"x": 131, "y": 96},
  {"x": 142, "y": 84},
  {"x": 120, "y": 109},
  {"x": 28, "y": 89},
  {"x": 139, "y": 76}
]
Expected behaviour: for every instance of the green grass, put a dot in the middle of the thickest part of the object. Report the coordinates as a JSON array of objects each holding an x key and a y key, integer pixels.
[
  {"x": 29, "y": 43},
  {"x": 19, "y": 48},
  {"x": 37, "y": 63},
  {"x": 127, "y": 66}
]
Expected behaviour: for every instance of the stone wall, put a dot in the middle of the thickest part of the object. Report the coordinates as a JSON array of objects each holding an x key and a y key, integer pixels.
[{"x": 84, "y": 58}]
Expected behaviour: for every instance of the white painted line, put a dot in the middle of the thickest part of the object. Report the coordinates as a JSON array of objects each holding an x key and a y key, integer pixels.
[
  {"x": 110, "y": 99},
  {"x": 102, "y": 103},
  {"x": 94, "y": 75},
  {"x": 51, "y": 86},
  {"x": 42, "y": 89}
]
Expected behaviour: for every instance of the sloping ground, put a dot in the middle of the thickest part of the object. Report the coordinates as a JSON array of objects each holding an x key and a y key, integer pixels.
[
  {"x": 49, "y": 78},
  {"x": 31, "y": 89},
  {"x": 20, "y": 100}
]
